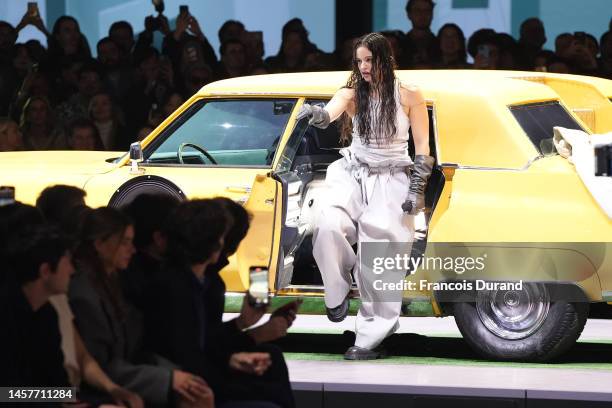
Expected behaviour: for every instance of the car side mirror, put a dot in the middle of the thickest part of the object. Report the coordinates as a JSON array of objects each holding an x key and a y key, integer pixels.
[{"x": 136, "y": 157}]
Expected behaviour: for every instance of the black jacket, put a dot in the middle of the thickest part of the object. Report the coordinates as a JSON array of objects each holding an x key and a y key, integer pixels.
[
  {"x": 175, "y": 329},
  {"x": 30, "y": 343}
]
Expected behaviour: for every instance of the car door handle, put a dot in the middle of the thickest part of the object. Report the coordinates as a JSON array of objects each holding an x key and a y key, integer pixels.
[{"x": 238, "y": 189}]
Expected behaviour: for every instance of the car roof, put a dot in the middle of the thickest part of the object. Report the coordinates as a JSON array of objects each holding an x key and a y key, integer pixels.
[{"x": 433, "y": 83}]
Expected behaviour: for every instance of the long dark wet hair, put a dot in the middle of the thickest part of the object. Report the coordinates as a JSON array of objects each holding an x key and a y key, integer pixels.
[{"x": 382, "y": 85}]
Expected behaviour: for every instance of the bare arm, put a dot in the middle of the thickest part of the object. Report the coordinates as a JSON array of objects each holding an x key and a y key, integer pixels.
[
  {"x": 416, "y": 109},
  {"x": 96, "y": 377},
  {"x": 92, "y": 373},
  {"x": 341, "y": 102}
]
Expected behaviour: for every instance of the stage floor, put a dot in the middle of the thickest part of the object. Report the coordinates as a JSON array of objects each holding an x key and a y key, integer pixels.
[{"x": 430, "y": 365}]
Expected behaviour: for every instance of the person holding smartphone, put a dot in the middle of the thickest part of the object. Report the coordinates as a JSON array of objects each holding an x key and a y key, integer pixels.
[{"x": 184, "y": 310}]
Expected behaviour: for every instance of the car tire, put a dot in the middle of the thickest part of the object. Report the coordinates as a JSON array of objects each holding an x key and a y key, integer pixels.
[{"x": 544, "y": 336}]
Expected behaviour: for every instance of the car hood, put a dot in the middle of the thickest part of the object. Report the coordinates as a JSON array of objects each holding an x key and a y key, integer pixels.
[{"x": 66, "y": 162}]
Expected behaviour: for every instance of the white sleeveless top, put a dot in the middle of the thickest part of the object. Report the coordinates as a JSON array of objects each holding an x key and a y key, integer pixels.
[{"x": 393, "y": 154}]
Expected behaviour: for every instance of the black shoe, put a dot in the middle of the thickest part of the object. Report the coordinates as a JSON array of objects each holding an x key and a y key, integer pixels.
[
  {"x": 360, "y": 353},
  {"x": 338, "y": 313}
]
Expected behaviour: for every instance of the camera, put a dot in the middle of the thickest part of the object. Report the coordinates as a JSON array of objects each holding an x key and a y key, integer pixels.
[{"x": 33, "y": 9}]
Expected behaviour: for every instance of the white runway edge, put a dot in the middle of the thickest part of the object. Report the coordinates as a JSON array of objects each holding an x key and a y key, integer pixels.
[
  {"x": 595, "y": 329},
  {"x": 506, "y": 382}
]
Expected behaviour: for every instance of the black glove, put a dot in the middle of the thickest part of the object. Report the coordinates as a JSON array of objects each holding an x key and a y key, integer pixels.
[
  {"x": 319, "y": 117},
  {"x": 418, "y": 181}
]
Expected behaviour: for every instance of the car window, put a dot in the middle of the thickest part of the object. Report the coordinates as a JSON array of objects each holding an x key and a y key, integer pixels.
[
  {"x": 234, "y": 132},
  {"x": 538, "y": 120}
]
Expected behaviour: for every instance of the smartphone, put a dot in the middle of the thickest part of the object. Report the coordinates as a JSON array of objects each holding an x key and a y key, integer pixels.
[
  {"x": 7, "y": 195},
  {"x": 184, "y": 10},
  {"x": 33, "y": 9},
  {"x": 258, "y": 295}
]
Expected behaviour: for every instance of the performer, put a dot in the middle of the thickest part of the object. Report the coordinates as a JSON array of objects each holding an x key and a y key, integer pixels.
[{"x": 372, "y": 198}]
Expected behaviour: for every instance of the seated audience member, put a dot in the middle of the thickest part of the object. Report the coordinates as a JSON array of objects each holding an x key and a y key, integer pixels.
[
  {"x": 14, "y": 218},
  {"x": 396, "y": 41},
  {"x": 10, "y": 136},
  {"x": 420, "y": 43},
  {"x": 66, "y": 40},
  {"x": 89, "y": 83},
  {"x": 82, "y": 369},
  {"x": 184, "y": 312},
  {"x": 543, "y": 60},
  {"x": 57, "y": 202},
  {"x": 38, "y": 126},
  {"x": 82, "y": 134},
  {"x": 532, "y": 39},
  {"x": 122, "y": 34},
  {"x": 149, "y": 212},
  {"x": 109, "y": 328},
  {"x": 451, "y": 41},
  {"x": 558, "y": 66},
  {"x": 292, "y": 54},
  {"x": 233, "y": 60},
  {"x": 144, "y": 132},
  {"x": 30, "y": 351},
  {"x": 484, "y": 47},
  {"x": 167, "y": 105},
  {"x": 194, "y": 78},
  {"x": 108, "y": 119}
]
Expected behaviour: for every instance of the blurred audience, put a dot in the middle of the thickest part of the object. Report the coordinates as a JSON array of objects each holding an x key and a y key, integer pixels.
[{"x": 136, "y": 85}]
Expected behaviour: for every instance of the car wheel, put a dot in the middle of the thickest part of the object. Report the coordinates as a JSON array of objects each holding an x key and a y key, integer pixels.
[{"x": 520, "y": 325}]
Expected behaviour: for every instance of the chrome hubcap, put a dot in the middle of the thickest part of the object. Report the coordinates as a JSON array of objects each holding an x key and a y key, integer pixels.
[{"x": 512, "y": 314}]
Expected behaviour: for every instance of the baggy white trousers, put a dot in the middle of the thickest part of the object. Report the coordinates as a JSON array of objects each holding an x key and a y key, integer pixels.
[{"x": 364, "y": 205}]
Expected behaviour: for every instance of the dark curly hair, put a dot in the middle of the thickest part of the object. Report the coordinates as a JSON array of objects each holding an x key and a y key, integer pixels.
[
  {"x": 194, "y": 230},
  {"x": 149, "y": 212},
  {"x": 240, "y": 226},
  {"x": 382, "y": 85}
]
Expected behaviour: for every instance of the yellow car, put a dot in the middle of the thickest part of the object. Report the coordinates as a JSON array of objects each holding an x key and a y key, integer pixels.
[{"x": 498, "y": 190}]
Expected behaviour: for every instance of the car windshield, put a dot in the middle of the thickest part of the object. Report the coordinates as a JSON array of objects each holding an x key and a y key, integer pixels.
[
  {"x": 231, "y": 132},
  {"x": 538, "y": 120}
]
